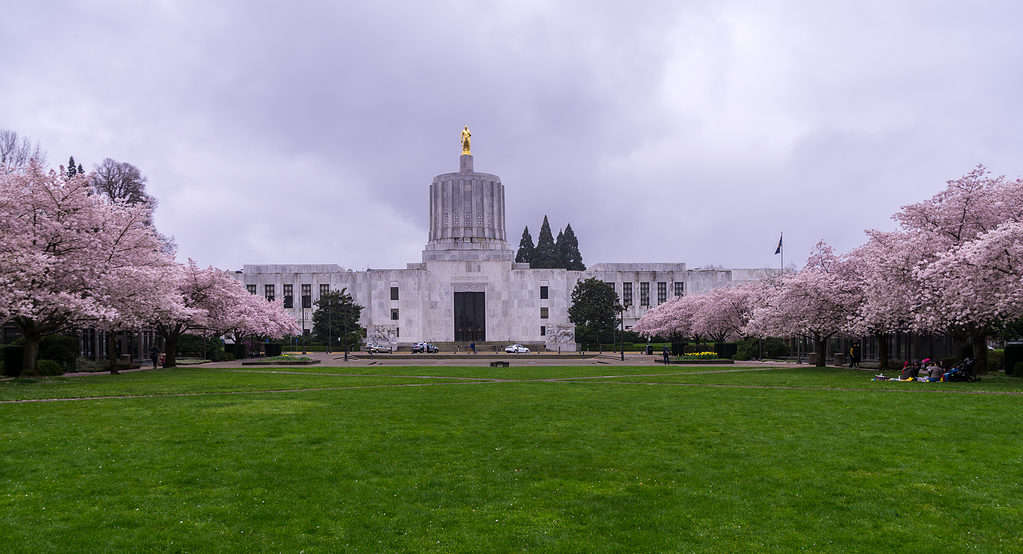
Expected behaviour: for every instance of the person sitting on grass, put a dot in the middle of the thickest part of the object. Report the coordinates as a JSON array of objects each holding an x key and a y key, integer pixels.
[
  {"x": 934, "y": 372},
  {"x": 909, "y": 370}
]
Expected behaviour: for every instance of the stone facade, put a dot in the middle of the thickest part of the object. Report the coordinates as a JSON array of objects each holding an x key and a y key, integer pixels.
[{"x": 467, "y": 252}]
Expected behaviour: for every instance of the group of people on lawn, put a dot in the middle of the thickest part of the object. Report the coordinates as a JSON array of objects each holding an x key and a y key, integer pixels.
[
  {"x": 926, "y": 370},
  {"x": 932, "y": 371}
]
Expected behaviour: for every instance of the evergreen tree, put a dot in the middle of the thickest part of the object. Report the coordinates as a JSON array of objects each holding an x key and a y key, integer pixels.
[
  {"x": 569, "y": 250},
  {"x": 72, "y": 169},
  {"x": 594, "y": 305},
  {"x": 80, "y": 170},
  {"x": 559, "y": 247},
  {"x": 545, "y": 255},
  {"x": 525, "y": 253},
  {"x": 336, "y": 319}
]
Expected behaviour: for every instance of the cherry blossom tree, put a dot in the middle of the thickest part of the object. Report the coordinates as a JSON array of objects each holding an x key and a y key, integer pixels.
[
  {"x": 674, "y": 317},
  {"x": 70, "y": 259},
  {"x": 971, "y": 207},
  {"x": 817, "y": 302},
  {"x": 725, "y": 312},
  {"x": 976, "y": 286},
  {"x": 212, "y": 302},
  {"x": 885, "y": 269}
]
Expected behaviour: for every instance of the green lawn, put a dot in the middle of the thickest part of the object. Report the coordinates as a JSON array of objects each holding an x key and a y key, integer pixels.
[
  {"x": 522, "y": 371},
  {"x": 817, "y": 378},
  {"x": 586, "y": 466}
]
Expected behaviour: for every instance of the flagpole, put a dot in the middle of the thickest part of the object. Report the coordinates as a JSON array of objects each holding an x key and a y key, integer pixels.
[{"x": 781, "y": 241}]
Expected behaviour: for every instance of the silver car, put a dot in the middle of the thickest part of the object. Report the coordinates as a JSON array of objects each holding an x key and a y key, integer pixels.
[{"x": 516, "y": 349}]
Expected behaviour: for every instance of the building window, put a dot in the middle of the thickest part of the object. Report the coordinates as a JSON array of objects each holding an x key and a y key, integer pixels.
[
  {"x": 543, "y": 330},
  {"x": 662, "y": 293},
  {"x": 307, "y": 296},
  {"x": 543, "y": 293},
  {"x": 397, "y": 332},
  {"x": 394, "y": 293},
  {"x": 324, "y": 290},
  {"x": 289, "y": 296},
  {"x": 394, "y": 314},
  {"x": 680, "y": 288},
  {"x": 251, "y": 289},
  {"x": 544, "y": 312},
  {"x": 644, "y": 294},
  {"x": 627, "y": 294},
  {"x": 268, "y": 291}
]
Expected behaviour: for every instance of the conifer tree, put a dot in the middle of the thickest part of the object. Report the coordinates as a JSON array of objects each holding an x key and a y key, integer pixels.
[
  {"x": 72, "y": 169},
  {"x": 571, "y": 258},
  {"x": 545, "y": 255},
  {"x": 525, "y": 253},
  {"x": 559, "y": 246}
]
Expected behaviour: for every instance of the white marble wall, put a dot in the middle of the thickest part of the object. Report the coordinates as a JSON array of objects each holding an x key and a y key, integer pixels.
[{"x": 513, "y": 304}]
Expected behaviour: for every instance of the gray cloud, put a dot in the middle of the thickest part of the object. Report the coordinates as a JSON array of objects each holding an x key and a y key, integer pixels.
[{"x": 309, "y": 132}]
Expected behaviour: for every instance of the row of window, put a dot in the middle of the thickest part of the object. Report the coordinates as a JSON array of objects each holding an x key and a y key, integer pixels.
[
  {"x": 644, "y": 292},
  {"x": 289, "y": 292}
]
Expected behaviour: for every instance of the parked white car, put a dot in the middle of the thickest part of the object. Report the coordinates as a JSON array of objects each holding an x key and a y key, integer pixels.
[{"x": 516, "y": 349}]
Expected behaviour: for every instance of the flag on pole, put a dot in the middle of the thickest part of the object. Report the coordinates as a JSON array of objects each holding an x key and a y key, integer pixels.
[{"x": 778, "y": 250}]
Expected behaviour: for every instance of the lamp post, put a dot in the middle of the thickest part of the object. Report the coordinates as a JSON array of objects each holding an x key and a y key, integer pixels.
[
  {"x": 621, "y": 311},
  {"x": 330, "y": 323}
]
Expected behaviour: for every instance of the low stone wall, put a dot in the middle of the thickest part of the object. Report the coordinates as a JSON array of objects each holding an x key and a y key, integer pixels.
[
  {"x": 482, "y": 356},
  {"x": 296, "y": 362}
]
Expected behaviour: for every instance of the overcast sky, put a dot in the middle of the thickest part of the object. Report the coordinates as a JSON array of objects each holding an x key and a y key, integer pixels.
[{"x": 304, "y": 132}]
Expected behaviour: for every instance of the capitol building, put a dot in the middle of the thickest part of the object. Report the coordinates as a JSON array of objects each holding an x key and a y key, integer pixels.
[{"x": 468, "y": 287}]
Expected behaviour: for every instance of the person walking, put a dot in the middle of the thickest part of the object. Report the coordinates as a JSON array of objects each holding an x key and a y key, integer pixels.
[
  {"x": 664, "y": 352},
  {"x": 154, "y": 355}
]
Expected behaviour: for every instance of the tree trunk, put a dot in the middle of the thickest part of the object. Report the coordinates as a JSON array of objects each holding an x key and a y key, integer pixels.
[
  {"x": 979, "y": 339},
  {"x": 31, "y": 353},
  {"x": 171, "y": 352},
  {"x": 820, "y": 347},
  {"x": 112, "y": 352},
  {"x": 882, "y": 350}
]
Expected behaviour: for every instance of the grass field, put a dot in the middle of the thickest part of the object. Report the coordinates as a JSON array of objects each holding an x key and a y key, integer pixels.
[{"x": 540, "y": 458}]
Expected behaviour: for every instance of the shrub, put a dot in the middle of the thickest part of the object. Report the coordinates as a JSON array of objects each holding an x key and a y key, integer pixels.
[
  {"x": 62, "y": 349},
  {"x": 221, "y": 356},
  {"x": 48, "y": 368},
  {"x": 199, "y": 346},
  {"x": 995, "y": 360},
  {"x": 1017, "y": 369}
]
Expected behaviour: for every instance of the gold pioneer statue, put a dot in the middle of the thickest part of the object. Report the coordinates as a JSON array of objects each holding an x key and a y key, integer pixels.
[{"x": 465, "y": 141}]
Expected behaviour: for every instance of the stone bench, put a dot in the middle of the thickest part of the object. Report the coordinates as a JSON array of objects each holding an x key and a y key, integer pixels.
[{"x": 499, "y": 364}]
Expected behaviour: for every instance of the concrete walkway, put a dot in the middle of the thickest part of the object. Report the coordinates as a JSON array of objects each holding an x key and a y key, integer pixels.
[{"x": 481, "y": 359}]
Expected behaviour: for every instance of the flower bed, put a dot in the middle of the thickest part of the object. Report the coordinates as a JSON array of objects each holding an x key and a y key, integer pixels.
[
  {"x": 700, "y": 356},
  {"x": 283, "y": 359}
]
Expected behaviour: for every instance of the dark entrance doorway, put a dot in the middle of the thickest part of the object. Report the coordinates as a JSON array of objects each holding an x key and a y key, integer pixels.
[{"x": 470, "y": 316}]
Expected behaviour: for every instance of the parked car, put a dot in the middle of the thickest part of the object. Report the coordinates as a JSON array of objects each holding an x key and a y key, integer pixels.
[
  {"x": 427, "y": 347},
  {"x": 516, "y": 349},
  {"x": 374, "y": 348}
]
